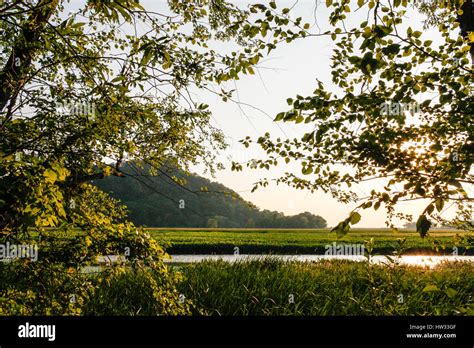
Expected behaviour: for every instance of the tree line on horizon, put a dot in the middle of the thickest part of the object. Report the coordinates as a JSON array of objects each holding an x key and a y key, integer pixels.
[{"x": 161, "y": 201}]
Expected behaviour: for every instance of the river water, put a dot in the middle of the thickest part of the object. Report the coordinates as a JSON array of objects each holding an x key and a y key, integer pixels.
[
  {"x": 416, "y": 260},
  {"x": 419, "y": 260}
]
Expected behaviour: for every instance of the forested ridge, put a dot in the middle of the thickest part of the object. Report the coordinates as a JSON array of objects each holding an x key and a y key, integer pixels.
[{"x": 159, "y": 201}]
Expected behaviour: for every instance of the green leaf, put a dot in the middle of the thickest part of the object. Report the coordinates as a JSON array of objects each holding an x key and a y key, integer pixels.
[
  {"x": 146, "y": 57},
  {"x": 167, "y": 57},
  {"x": 376, "y": 205},
  {"x": 50, "y": 175},
  {"x": 382, "y": 30},
  {"x": 439, "y": 204},
  {"x": 391, "y": 49},
  {"x": 279, "y": 116},
  {"x": 341, "y": 229},
  {"x": 451, "y": 293},
  {"x": 423, "y": 225},
  {"x": 430, "y": 288},
  {"x": 430, "y": 209},
  {"x": 355, "y": 218}
]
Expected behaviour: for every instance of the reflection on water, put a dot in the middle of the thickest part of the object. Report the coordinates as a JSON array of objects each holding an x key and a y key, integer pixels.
[
  {"x": 425, "y": 261},
  {"x": 415, "y": 260}
]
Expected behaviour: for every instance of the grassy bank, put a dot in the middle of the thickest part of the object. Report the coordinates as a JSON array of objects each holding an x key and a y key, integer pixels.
[
  {"x": 257, "y": 241},
  {"x": 272, "y": 287}
]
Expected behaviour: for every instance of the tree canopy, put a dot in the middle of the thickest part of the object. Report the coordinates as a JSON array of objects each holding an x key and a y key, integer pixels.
[
  {"x": 400, "y": 108},
  {"x": 110, "y": 80}
]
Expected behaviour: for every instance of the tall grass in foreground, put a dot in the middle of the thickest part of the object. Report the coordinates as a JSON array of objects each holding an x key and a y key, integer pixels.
[{"x": 273, "y": 287}]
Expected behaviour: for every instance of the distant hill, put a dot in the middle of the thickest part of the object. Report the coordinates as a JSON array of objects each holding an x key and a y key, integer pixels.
[{"x": 157, "y": 201}]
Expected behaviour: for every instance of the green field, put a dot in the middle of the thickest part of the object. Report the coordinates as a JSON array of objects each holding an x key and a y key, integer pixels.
[{"x": 276, "y": 241}]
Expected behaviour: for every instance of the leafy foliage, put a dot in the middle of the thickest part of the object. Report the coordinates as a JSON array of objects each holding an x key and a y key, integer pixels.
[
  {"x": 401, "y": 110},
  {"x": 47, "y": 285}
]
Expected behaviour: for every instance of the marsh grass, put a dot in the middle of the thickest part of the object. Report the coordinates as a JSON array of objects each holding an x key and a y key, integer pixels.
[{"x": 340, "y": 287}]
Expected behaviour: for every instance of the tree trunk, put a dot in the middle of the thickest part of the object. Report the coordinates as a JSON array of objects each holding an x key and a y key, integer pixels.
[
  {"x": 466, "y": 21},
  {"x": 13, "y": 74}
]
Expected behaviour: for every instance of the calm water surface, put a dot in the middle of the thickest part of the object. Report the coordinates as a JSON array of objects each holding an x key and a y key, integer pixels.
[
  {"x": 415, "y": 260},
  {"x": 421, "y": 260}
]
